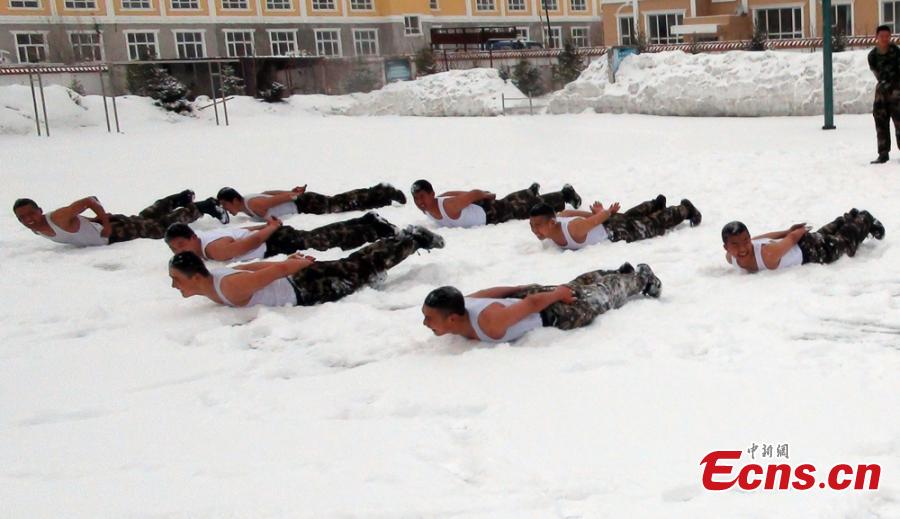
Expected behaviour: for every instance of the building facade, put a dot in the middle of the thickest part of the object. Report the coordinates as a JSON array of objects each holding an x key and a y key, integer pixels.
[
  {"x": 67, "y": 31},
  {"x": 682, "y": 21}
]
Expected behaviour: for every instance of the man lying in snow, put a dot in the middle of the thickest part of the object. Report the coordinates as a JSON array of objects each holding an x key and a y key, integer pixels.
[
  {"x": 796, "y": 246},
  {"x": 277, "y": 204},
  {"x": 475, "y": 208},
  {"x": 66, "y": 225},
  {"x": 298, "y": 280},
  {"x": 503, "y": 314},
  {"x": 262, "y": 241},
  {"x": 575, "y": 230}
]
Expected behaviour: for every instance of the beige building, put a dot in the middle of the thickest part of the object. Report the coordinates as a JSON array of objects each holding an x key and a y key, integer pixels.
[{"x": 680, "y": 21}]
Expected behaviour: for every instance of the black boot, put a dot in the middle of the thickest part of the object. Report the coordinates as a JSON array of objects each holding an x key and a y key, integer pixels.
[
  {"x": 424, "y": 238},
  {"x": 694, "y": 215},
  {"x": 212, "y": 208},
  {"x": 653, "y": 286},
  {"x": 882, "y": 158},
  {"x": 570, "y": 196},
  {"x": 383, "y": 228}
]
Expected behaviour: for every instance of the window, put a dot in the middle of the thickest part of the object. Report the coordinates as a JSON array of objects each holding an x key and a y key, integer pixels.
[
  {"x": 522, "y": 33},
  {"x": 842, "y": 19},
  {"x": 433, "y": 5},
  {"x": 365, "y": 41},
  {"x": 891, "y": 12},
  {"x": 323, "y": 5},
  {"x": 135, "y": 4},
  {"x": 580, "y": 37},
  {"x": 361, "y": 5},
  {"x": 515, "y": 5},
  {"x": 411, "y": 26},
  {"x": 484, "y": 5},
  {"x": 278, "y": 5},
  {"x": 660, "y": 28},
  {"x": 328, "y": 42},
  {"x": 234, "y": 4},
  {"x": 283, "y": 42},
  {"x": 550, "y": 5},
  {"x": 780, "y": 24},
  {"x": 86, "y": 46},
  {"x": 185, "y": 4},
  {"x": 31, "y": 47},
  {"x": 81, "y": 4},
  {"x": 557, "y": 37},
  {"x": 141, "y": 45},
  {"x": 579, "y": 5},
  {"x": 239, "y": 43},
  {"x": 25, "y": 4},
  {"x": 189, "y": 45},
  {"x": 626, "y": 31}
]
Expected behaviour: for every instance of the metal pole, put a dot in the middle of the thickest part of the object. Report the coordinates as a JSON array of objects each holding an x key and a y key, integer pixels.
[
  {"x": 828, "y": 82},
  {"x": 222, "y": 89},
  {"x": 549, "y": 30},
  {"x": 105, "y": 108},
  {"x": 115, "y": 108},
  {"x": 503, "y": 102},
  {"x": 212, "y": 91},
  {"x": 44, "y": 105},
  {"x": 530, "y": 106},
  {"x": 37, "y": 117}
]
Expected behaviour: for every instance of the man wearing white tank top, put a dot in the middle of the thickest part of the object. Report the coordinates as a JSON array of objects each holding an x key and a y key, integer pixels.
[
  {"x": 66, "y": 225},
  {"x": 797, "y": 245},
  {"x": 273, "y": 238},
  {"x": 477, "y": 207},
  {"x": 575, "y": 230},
  {"x": 299, "y": 280},
  {"x": 278, "y": 204},
  {"x": 503, "y": 314}
]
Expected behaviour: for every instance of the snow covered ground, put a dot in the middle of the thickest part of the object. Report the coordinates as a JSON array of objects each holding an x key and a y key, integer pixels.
[{"x": 120, "y": 399}]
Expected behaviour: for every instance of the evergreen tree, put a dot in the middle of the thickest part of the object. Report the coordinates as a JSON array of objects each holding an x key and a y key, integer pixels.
[
  {"x": 425, "y": 63},
  {"x": 527, "y": 78},
  {"x": 758, "y": 39},
  {"x": 156, "y": 83},
  {"x": 273, "y": 94},
  {"x": 232, "y": 84},
  {"x": 569, "y": 65},
  {"x": 838, "y": 39}
]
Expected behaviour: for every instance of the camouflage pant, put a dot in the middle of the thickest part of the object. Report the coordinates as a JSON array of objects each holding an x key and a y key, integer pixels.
[
  {"x": 596, "y": 292},
  {"x": 347, "y": 235},
  {"x": 328, "y": 281},
  {"x": 645, "y": 220},
  {"x": 517, "y": 205},
  {"x": 153, "y": 221},
  {"x": 833, "y": 240},
  {"x": 886, "y": 108},
  {"x": 380, "y": 195}
]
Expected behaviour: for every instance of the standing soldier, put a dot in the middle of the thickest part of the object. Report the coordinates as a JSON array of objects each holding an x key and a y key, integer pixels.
[{"x": 884, "y": 62}]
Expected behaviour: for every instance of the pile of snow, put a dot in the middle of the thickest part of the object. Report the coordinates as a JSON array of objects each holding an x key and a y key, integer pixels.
[
  {"x": 738, "y": 83},
  {"x": 473, "y": 92}
]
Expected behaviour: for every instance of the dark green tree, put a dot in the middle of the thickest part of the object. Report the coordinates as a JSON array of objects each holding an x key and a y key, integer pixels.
[
  {"x": 569, "y": 65},
  {"x": 425, "y": 63},
  {"x": 527, "y": 78}
]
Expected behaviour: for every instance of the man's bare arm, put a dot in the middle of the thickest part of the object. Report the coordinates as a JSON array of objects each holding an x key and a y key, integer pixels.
[
  {"x": 580, "y": 227},
  {"x": 241, "y": 287},
  {"x": 65, "y": 216},
  {"x": 773, "y": 252},
  {"x": 777, "y": 235},
  {"x": 499, "y": 319},
  {"x": 224, "y": 250},
  {"x": 454, "y": 205}
]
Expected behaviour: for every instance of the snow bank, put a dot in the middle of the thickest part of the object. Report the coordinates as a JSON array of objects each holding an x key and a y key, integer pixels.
[
  {"x": 736, "y": 83},
  {"x": 473, "y": 92}
]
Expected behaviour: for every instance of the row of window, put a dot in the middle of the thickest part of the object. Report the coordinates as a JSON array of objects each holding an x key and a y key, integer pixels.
[
  {"x": 32, "y": 47},
  {"x": 276, "y": 5},
  {"x": 778, "y": 23}
]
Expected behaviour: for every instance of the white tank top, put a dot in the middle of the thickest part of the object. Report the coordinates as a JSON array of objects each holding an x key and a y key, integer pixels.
[
  {"x": 207, "y": 237},
  {"x": 87, "y": 235},
  {"x": 278, "y": 211},
  {"x": 471, "y": 216},
  {"x": 277, "y": 293},
  {"x": 793, "y": 257},
  {"x": 594, "y": 236},
  {"x": 476, "y": 305}
]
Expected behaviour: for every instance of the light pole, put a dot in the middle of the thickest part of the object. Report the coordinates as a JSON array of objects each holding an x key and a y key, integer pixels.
[{"x": 827, "y": 79}]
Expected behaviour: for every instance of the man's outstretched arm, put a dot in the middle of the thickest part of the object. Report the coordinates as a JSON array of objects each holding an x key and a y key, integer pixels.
[
  {"x": 65, "y": 215},
  {"x": 496, "y": 292},
  {"x": 455, "y": 204},
  {"x": 223, "y": 250},
  {"x": 498, "y": 320},
  {"x": 773, "y": 252}
]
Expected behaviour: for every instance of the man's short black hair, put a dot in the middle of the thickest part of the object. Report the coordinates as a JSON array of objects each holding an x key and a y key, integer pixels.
[
  {"x": 189, "y": 264},
  {"x": 883, "y": 28},
  {"x": 22, "y": 202},
  {"x": 733, "y": 229},
  {"x": 421, "y": 185},
  {"x": 179, "y": 230},
  {"x": 542, "y": 209},
  {"x": 229, "y": 194},
  {"x": 448, "y": 300}
]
